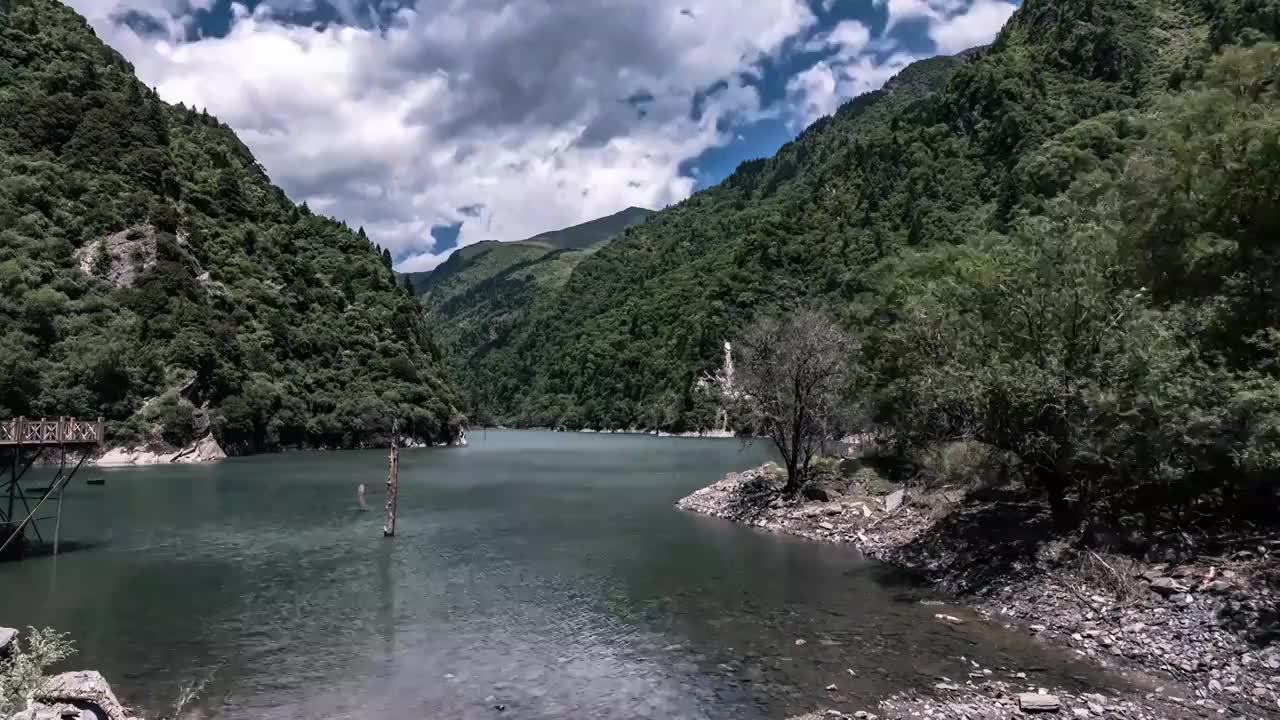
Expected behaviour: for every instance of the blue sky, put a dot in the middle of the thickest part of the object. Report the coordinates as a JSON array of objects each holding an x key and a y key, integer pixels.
[{"x": 439, "y": 123}]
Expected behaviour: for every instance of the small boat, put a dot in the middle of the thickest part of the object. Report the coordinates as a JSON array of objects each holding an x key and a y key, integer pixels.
[{"x": 96, "y": 481}]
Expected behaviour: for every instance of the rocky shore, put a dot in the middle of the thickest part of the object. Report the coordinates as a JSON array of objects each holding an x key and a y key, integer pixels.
[
  {"x": 1199, "y": 627},
  {"x": 204, "y": 450},
  {"x": 79, "y": 695}
]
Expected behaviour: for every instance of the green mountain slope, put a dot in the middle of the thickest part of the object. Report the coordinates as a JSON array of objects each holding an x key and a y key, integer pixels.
[
  {"x": 483, "y": 291},
  {"x": 151, "y": 272},
  {"x": 475, "y": 263},
  {"x": 940, "y": 156}
]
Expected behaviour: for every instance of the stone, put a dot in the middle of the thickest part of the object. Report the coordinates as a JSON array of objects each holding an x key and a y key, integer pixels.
[
  {"x": 800, "y": 641},
  {"x": 1219, "y": 587},
  {"x": 1036, "y": 703},
  {"x": 832, "y": 687},
  {"x": 948, "y": 619},
  {"x": 1167, "y": 586},
  {"x": 1182, "y": 599},
  {"x": 1081, "y": 712},
  {"x": 894, "y": 500},
  {"x": 7, "y": 636},
  {"x": 87, "y": 690}
]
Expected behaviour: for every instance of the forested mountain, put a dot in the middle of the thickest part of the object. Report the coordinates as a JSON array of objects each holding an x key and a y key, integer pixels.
[
  {"x": 1080, "y": 111},
  {"x": 465, "y": 268},
  {"x": 482, "y": 291},
  {"x": 151, "y": 273}
]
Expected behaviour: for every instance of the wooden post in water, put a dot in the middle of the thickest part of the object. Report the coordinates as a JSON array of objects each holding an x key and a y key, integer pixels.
[{"x": 389, "y": 527}]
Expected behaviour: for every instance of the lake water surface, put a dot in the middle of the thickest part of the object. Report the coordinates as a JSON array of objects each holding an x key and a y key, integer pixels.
[{"x": 546, "y": 572}]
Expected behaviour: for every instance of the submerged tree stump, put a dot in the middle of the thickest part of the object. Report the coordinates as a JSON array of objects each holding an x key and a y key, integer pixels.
[{"x": 393, "y": 471}]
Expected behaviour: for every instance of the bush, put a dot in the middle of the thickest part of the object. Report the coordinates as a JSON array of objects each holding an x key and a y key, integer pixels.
[
  {"x": 22, "y": 674},
  {"x": 963, "y": 463},
  {"x": 175, "y": 418}
]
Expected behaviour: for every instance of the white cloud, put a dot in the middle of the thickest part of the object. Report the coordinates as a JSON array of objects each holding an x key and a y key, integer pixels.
[
  {"x": 953, "y": 25},
  {"x": 862, "y": 64},
  {"x": 520, "y": 107},
  {"x": 848, "y": 38},
  {"x": 977, "y": 25},
  {"x": 823, "y": 88}
]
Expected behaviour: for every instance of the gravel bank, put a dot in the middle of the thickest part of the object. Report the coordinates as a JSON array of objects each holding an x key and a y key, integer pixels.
[{"x": 1199, "y": 630}]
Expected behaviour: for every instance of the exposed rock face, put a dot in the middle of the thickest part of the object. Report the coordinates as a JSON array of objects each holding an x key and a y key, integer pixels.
[
  {"x": 81, "y": 695},
  {"x": 119, "y": 258},
  {"x": 206, "y": 449}
]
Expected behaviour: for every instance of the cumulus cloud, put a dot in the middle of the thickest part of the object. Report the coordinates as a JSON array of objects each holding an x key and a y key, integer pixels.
[
  {"x": 953, "y": 25},
  {"x": 977, "y": 25},
  {"x": 512, "y": 118},
  {"x": 862, "y": 64},
  {"x": 823, "y": 88}
]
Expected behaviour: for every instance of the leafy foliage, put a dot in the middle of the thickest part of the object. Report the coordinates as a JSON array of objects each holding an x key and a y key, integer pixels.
[
  {"x": 23, "y": 671},
  {"x": 485, "y": 291},
  {"x": 1063, "y": 246},
  {"x": 215, "y": 295},
  {"x": 791, "y": 386}
]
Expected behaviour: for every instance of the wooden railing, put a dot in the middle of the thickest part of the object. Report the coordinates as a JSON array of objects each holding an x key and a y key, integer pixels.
[{"x": 63, "y": 431}]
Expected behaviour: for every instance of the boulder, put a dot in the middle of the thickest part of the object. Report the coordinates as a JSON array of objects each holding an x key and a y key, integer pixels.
[
  {"x": 85, "y": 690},
  {"x": 1037, "y": 703},
  {"x": 1167, "y": 586},
  {"x": 1219, "y": 587},
  {"x": 7, "y": 636},
  {"x": 894, "y": 500}
]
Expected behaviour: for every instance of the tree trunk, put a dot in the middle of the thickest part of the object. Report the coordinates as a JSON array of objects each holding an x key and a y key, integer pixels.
[
  {"x": 794, "y": 481},
  {"x": 393, "y": 482},
  {"x": 1055, "y": 486}
]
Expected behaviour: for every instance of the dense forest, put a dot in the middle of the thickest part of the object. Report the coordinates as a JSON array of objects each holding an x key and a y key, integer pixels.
[
  {"x": 486, "y": 291},
  {"x": 1065, "y": 245},
  {"x": 152, "y": 274},
  {"x": 953, "y": 156}
]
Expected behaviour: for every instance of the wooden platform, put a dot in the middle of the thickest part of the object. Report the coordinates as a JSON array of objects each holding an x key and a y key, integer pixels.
[{"x": 62, "y": 431}]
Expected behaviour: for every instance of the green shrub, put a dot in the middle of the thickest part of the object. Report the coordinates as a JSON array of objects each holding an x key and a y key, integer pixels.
[{"x": 23, "y": 672}]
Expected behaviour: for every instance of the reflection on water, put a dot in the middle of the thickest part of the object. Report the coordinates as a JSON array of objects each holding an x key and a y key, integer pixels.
[{"x": 544, "y": 572}]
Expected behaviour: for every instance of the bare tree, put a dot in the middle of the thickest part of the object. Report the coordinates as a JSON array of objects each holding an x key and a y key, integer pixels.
[{"x": 791, "y": 385}]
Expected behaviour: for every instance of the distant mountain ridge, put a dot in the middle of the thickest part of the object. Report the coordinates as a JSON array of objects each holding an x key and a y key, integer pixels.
[
  {"x": 577, "y": 237},
  {"x": 483, "y": 291}
]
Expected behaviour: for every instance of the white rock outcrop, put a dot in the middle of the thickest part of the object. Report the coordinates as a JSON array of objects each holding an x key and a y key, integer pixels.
[
  {"x": 81, "y": 695},
  {"x": 206, "y": 449}
]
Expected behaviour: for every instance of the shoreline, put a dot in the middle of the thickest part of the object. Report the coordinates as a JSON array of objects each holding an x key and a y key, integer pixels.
[
  {"x": 1178, "y": 626},
  {"x": 693, "y": 434},
  {"x": 207, "y": 450}
]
